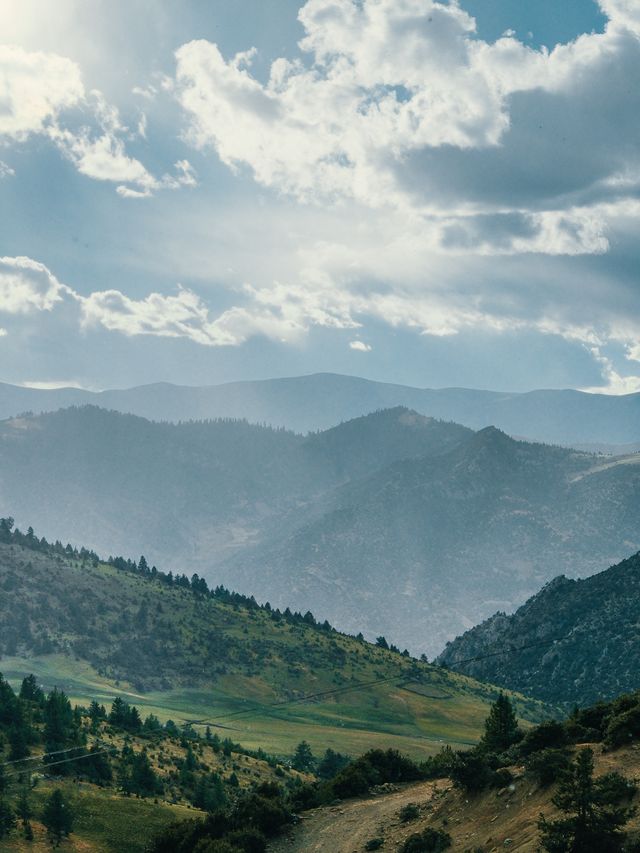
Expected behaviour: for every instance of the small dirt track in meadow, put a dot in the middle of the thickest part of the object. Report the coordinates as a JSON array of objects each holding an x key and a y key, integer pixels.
[{"x": 345, "y": 828}]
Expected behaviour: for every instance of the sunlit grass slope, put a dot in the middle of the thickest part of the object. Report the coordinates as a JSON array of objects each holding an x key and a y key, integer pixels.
[{"x": 97, "y": 631}]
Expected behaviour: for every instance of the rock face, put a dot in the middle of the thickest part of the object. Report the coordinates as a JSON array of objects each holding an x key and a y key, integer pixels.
[
  {"x": 578, "y": 639},
  {"x": 391, "y": 524}
]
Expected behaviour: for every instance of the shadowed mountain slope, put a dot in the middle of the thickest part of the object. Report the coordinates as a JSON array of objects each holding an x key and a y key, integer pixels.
[{"x": 594, "y": 622}]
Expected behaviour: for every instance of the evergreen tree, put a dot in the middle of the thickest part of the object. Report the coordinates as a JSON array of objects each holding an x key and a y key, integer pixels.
[
  {"x": 25, "y": 813},
  {"x": 332, "y": 763},
  {"x": 7, "y": 818},
  {"x": 57, "y": 817},
  {"x": 144, "y": 781},
  {"x": 303, "y": 759},
  {"x": 594, "y": 816},
  {"x": 18, "y": 734},
  {"x": 501, "y": 726},
  {"x": 29, "y": 690}
]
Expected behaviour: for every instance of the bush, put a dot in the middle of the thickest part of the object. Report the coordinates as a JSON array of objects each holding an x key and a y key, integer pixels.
[
  {"x": 439, "y": 766},
  {"x": 548, "y": 735},
  {"x": 429, "y": 841},
  {"x": 502, "y": 778},
  {"x": 623, "y": 727},
  {"x": 615, "y": 788},
  {"x": 374, "y": 844},
  {"x": 409, "y": 812},
  {"x": 247, "y": 840},
  {"x": 373, "y": 768},
  {"x": 471, "y": 771},
  {"x": 547, "y": 766}
]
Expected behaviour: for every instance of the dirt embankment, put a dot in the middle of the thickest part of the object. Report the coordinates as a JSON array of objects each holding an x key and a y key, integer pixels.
[{"x": 494, "y": 821}]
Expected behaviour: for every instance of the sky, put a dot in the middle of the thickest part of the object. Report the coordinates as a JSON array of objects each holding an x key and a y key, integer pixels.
[{"x": 431, "y": 193}]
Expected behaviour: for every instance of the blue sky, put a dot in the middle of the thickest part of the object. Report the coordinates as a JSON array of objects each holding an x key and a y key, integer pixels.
[{"x": 431, "y": 193}]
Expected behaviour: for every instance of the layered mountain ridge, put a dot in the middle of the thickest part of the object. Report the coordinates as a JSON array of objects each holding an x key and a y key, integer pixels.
[
  {"x": 392, "y": 523},
  {"x": 322, "y": 400}
]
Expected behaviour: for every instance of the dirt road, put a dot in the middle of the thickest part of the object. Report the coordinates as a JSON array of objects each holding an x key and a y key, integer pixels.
[{"x": 346, "y": 828}]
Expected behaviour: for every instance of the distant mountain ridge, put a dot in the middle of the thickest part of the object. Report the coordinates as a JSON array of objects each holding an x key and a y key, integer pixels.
[
  {"x": 392, "y": 523},
  {"x": 322, "y": 400},
  {"x": 575, "y": 641}
]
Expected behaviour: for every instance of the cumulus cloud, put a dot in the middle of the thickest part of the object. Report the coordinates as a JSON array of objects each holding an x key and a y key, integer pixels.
[
  {"x": 5, "y": 170},
  {"x": 34, "y": 89},
  {"x": 27, "y": 286},
  {"x": 37, "y": 91},
  {"x": 360, "y": 346},
  {"x": 398, "y": 103}
]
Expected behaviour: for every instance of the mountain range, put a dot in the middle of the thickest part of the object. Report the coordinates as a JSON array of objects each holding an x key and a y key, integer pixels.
[
  {"x": 320, "y": 401},
  {"x": 574, "y": 642},
  {"x": 392, "y": 523}
]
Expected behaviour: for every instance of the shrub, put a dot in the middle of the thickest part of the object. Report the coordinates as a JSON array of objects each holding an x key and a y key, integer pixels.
[
  {"x": 502, "y": 778},
  {"x": 429, "y": 841},
  {"x": 615, "y": 788},
  {"x": 374, "y": 844},
  {"x": 471, "y": 771},
  {"x": 623, "y": 727},
  {"x": 548, "y": 735},
  {"x": 409, "y": 812},
  {"x": 547, "y": 766}
]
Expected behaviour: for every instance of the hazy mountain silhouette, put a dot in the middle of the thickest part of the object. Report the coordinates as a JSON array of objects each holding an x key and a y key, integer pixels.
[{"x": 322, "y": 400}]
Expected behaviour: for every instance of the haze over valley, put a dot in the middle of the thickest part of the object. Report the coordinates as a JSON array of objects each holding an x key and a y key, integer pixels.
[{"x": 392, "y": 523}]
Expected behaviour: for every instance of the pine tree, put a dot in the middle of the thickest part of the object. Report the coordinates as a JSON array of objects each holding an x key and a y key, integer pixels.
[
  {"x": 303, "y": 759},
  {"x": 25, "y": 813},
  {"x": 501, "y": 726},
  {"x": 594, "y": 815},
  {"x": 7, "y": 817},
  {"x": 57, "y": 817}
]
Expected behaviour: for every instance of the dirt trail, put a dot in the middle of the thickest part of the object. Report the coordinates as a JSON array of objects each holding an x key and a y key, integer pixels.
[{"x": 346, "y": 828}]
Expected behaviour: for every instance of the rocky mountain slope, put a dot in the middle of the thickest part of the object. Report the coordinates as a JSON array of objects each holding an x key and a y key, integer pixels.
[
  {"x": 320, "y": 401},
  {"x": 579, "y": 640}
]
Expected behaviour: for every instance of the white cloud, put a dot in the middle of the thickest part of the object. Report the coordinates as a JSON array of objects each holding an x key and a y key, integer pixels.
[
  {"x": 398, "y": 103},
  {"x": 181, "y": 316},
  {"x": 360, "y": 346},
  {"x": 37, "y": 91},
  {"x": 102, "y": 155},
  {"x": 614, "y": 383},
  {"x": 5, "y": 170},
  {"x": 27, "y": 286},
  {"x": 3, "y": 333},
  {"x": 53, "y": 384},
  {"x": 34, "y": 89}
]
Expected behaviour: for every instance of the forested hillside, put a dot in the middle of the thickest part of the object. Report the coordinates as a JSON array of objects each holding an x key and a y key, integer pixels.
[
  {"x": 576, "y": 641},
  {"x": 182, "y": 651}
]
